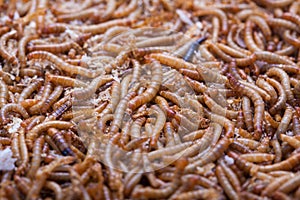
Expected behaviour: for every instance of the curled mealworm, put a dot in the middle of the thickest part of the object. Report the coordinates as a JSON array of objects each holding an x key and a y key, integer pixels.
[
  {"x": 33, "y": 133},
  {"x": 214, "y": 11},
  {"x": 257, "y": 101},
  {"x": 151, "y": 91},
  {"x": 268, "y": 88},
  {"x": 12, "y": 107},
  {"x": 261, "y": 92},
  {"x": 3, "y": 51},
  {"x": 281, "y": 96},
  {"x": 285, "y": 82}
]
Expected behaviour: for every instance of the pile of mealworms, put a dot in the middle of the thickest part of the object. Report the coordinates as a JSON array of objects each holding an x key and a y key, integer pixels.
[{"x": 149, "y": 99}]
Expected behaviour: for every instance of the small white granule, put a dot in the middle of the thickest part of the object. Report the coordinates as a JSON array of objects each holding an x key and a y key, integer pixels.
[
  {"x": 229, "y": 160},
  {"x": 6, "y": 160},
  {"x": 14, "y": 125}
]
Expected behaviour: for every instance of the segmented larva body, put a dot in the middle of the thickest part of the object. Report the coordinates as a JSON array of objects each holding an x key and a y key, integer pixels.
[{"x": 151, "y": 91}]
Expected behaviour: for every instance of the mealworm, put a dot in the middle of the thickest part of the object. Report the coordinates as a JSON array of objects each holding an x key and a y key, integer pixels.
[
  {"x": 285, "y": 82},
  {"x": 275, "y": 185},
  {"x": 231, "y": 51},
  {"x": 87, "y": 92},
  {"x": 60, "y": 142},
  {"x": 102, "y": 27},
  {"x": 215, "y": 108},
  {"x": 214, "y": 11},
  {"x": 46, "y": 92},
  {"x": 12, "y": 107},
  {"x": 22, "y": 49},
  {"x": 43, "y": 173},
  {"x": 250, "y": 43},
  {"x": 3, "y": 51},
  {"x": 196, "y": 85},
  {"x": 232, "y": 194},
  {"x": 52, "y": 98},
  {"x": 122, "y": 12},
  {"x": 261, "y": 92},
  {"x": 287, "y": 36},
  {"x": 258, "y": 157},
  {"x": 231, "y": 42},
  {"x": 23, "y": 153},
  {"x": 285, "y": 121},
  {"x": 34, "y": 133},
  {"x": 151, "y": 91},
  {"x": 291, "y": 17},
  {"x": 119, "y": 113},
  {"x": 257, "y": 101},
  {"x": 55, "y": 48},
  {"x": 283, "y": 23},
  {"x": 80, "y": 15},
  {"x": 36, "y": 157},
  {"x": 281, "y": 98},
  {"x": 262, "y": 24},
  {"x": 29, "y": 90},
  {"x": 3, "y": 93},
  {"x": 65, "y": 81},
  {"x": 60, "y": 64},
  {"x": 260, "y": 82}
]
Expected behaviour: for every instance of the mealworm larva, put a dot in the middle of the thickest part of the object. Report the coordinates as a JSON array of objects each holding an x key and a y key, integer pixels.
[
  {"x": 12, "y": 107},
  {"x": 232, "y": 194},
  {"x": 81, "y": 15},
  {"x": 15, "y": 147},
  {"x": 231, "y": 51},
  {"x": 3, "y": 51},
  {"x": 285, "y": 121},
  {"x": 163, "y": 104},
  {"x": 115, "y": 98},
  {"x": 151, "y": 91},
  {"x": 23, "y": 153},
  {"x": 43, "y": 173},
  {"x": 293, "y": 17},
  {"x": 55, "y": 48},
  {"x": 248, "y": 38},
  {"x": 116, "y": 124},
  {"x": 55, "y": 188},
  {"x": 287, "y": 36},
  {"x": 262, "y": 24},
  {"x": 91, "y": 89},
  {"x": 270, "y": 120},
  {"x": 65, "y": 81},
  {"x": 60, "y": 142},
  {"x": 285, "y": 82},
  {"x": 282, "y": 97},
  {"x": 22, "y": 48},
  {"x": 277, "y": 22},
  {"x": 36, "y": 157},
  {"x": 232, "y": 177},
  {"x": 34, "y": 133},
  {"x": 171, "y": 61},
  {"x": 29, "y": 90},
  {"x": 52, "y": 98},
  {"x": 295, "y": 143},
  {"x": 217, "y": 12},
  {"x": 247, "y": 113},
  {"x": 258, "y": 157},
  {"x": 60, "y": 64},
  {"x": 296, "y": 124},
  {"x": 261, "y": 92},
  {"x": 122, "y": 12},
  {"x": 231, "y": 42},
  {"x": 3, "y": 93},
  {"x": 35, "y": 109},
  {"x": 211, "y": 156},
  {"x": 196, "y": 85},
  {"x": 215, "y": 108},
  {"x": 260, "y": 82},
  {"x": 274, "y": 185},
  {"x": 257, "y": 101},
  {"x": 102, "y": 27},
  {"x": 290, "y": 185}
]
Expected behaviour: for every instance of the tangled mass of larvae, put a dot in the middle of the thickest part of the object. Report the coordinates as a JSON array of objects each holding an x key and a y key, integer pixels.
[{"x": 149, "y": 99}]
